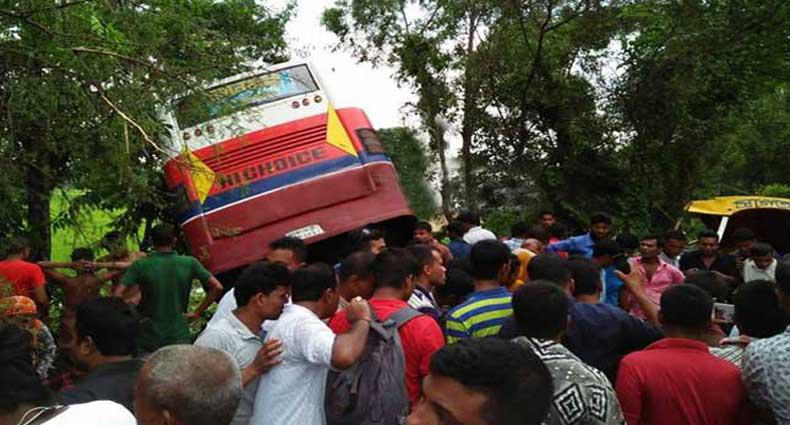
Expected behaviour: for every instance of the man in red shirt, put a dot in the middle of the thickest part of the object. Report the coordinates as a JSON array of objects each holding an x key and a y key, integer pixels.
[
  {"x": 676, "y": 380},
  {"x": 22, "y": 277},
  {"x": 394, "y": 274}
]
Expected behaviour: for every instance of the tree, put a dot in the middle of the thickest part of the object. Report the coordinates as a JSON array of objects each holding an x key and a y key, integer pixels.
[
  {"x": 80, "y": 85},
  {"x": 430, "y": 44},
  {"x": 408, "y": 155}
]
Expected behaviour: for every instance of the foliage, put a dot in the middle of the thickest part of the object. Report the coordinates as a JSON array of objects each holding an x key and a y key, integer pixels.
[
  {"x": 775, "y": 190},
  {"x": 80, "y": 86},
  {"x": 409, "y": 157}
]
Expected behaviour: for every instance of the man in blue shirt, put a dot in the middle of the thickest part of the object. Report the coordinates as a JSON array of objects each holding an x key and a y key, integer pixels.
[
  {"x": 601, "y": 334},
  {"x": 600, "y": 227},
  {"x": 605, "y": 252}
]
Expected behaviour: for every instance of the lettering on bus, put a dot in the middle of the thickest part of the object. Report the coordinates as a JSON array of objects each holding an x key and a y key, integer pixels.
[{"x": 258, "y": 171}]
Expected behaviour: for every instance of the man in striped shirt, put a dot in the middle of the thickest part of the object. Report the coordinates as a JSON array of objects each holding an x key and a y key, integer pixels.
[{"x": 484, "y": 312}]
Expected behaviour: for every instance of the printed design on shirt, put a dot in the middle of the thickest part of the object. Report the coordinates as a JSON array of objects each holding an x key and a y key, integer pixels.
[
  {"x": 569, "y": 404},
  {"x": 543, "y": 348},
  {"x": 598, "y": 402}
]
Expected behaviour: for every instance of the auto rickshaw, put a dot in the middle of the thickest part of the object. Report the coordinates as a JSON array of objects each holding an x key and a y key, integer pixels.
[{"x": 768, "y": 218}]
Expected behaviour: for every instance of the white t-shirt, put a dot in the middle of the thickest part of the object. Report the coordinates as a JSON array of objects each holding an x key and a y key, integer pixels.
[
  {"x": 103, "y": 412},
  {"x": 293, "y": 392},
  {"x": 477, "y": 234},
  {"x": 752, "y": 272}
]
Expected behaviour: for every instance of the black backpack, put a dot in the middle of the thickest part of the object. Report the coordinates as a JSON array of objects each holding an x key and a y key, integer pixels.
[{"x": 373, "y": 391}]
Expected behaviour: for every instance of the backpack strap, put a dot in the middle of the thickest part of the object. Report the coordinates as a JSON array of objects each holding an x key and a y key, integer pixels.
[{"x": 403, "y": 316}]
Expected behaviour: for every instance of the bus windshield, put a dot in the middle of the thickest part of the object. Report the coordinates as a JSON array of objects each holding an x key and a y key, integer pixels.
[{"x": 237, "y": 96}]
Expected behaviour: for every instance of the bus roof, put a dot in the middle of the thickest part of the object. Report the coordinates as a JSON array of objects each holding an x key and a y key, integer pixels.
[{"x": 729, "y": 205}]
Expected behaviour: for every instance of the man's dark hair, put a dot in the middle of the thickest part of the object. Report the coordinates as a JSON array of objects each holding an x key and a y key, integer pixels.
[
  {"x": 606, "y": 247},
  {"x": 458, "y": 282},
  {"x": 82, "y": 254},
  {"x": 627, "y": 241},
  {"x": 17, "y": 245},
  {"x": 586, "y": 276},
  {"x": 600, "y": 217},
  {"x": 423, "y": 254},
  {"x": 357, "y": 264},
  {"x": 295, "y": 245},
  {"x": 469, "y": 217},
  {"x": 783, "y": 277},
  {"x": 111, "y": 324},
  {"x": 163, "y": 235},
  {"x": 519, "y": 229},
  {"x": 392, "y": 267},
  {"x": 487, "y": 258},
  {"x": 423, "y": 225},
  {"x": 19, "y": 385},
  {"x": 676, "y": 235},
  {"x": 761, "y": 249},
  {"x": 309, "y": 283},
  {"x": 743, "y": 234},
  {"x": 541, "y": 309},
  {"x": 516, "y": 382},
  {"x": 758, "y": 313},
  {"x": 260, "y": 278},
  {"x": 651, "y": 237},
  {"x": 557, "y": 230},
  {"x": 545, "y": 212},
  {"x": 537, "y": 232},
  {"x": 687, "y": 307},
  {"x": 549, "y": 267},
  {"x": 708, "y": 282},
  {"x": 455, "y": 229},
  {"x": 707, "y": 233}
]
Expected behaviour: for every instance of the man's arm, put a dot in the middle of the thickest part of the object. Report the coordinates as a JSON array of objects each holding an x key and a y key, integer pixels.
[
  {"x": 127, "y": 293},
  {"x": 348, "y": 347},
  {"x": 456, "y": 330},
  {"x": 565, "y": 245},
  {"x": 634, "y": 284},
  {"x": 58, "y": 277}
]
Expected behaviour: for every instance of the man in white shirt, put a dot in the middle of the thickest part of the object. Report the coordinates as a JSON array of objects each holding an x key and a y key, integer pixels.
[
  {"x": 261, "y": 292},
  {"x": 672, "y": 246},
  {"x": 474, "y": 232},
  {"x": 761, "y": 264},
  {"x": 293, "y": 392}
]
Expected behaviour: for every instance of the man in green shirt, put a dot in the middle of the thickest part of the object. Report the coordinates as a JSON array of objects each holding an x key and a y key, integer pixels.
[{"x": 164, "y": 278}]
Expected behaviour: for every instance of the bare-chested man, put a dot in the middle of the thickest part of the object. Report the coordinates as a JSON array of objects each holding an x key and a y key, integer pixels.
[{"x": 85, "y": 286}]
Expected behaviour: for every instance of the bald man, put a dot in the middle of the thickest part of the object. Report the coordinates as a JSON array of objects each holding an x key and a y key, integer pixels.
[{"x": 187, "y": 385}]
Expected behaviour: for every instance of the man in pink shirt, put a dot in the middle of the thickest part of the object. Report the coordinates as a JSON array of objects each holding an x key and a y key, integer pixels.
[{"x": 656, "y": 274}]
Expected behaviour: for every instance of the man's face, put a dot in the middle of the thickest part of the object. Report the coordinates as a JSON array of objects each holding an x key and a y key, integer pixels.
[
  {"x": 744, "y": 246},
  {"x": 79, "y": 352},
  {"x": 436, "y": 271},
  {"x": 423, "y": 236},
  {"x": 285, "y": 257},
  {"x": 674, "y": 247},
  {"x": 763, "y": 261},
  {"x": 547, "y": 220},
  {"x": 708, "y": 246},
  {"x": 272, "y": 304},
  {"x": 600, "y": 230},
  {"x": 649, "y": 248},
  {"x": 447, "y": 402},
  {"x": 377, "y": 245}
]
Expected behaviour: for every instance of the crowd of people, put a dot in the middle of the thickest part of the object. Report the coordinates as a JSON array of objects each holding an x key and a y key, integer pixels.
[{"x": 470, "y": 328}]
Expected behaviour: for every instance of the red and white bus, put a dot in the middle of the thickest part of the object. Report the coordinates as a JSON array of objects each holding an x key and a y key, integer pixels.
[{"x": 264, "y": 154}]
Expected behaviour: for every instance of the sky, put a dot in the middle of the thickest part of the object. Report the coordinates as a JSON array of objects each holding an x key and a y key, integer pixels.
[{"x": 349, "y": 83}]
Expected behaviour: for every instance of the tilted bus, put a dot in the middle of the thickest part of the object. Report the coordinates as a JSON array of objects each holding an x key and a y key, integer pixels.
[{"x": 264, "y": 154}]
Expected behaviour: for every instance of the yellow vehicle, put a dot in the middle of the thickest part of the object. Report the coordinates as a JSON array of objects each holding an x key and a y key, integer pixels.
[{"x": 768, "y": 218}]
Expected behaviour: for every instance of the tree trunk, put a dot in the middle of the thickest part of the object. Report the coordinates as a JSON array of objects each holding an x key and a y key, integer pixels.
[
  {"x": 437, "y": 133},
  {"x": 39, "y": 193},
  {"x": 469, "y": 121}
]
